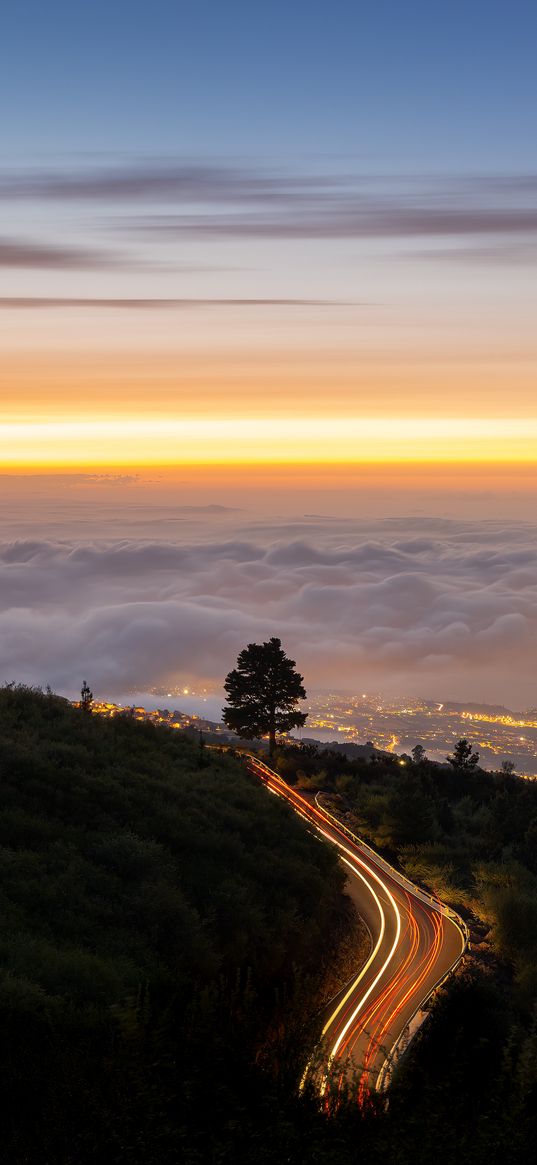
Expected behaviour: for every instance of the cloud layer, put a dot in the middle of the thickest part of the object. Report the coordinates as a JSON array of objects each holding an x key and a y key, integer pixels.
[
  {"x": 445, "y": 609},
  {"x": 208, "y": 200}
]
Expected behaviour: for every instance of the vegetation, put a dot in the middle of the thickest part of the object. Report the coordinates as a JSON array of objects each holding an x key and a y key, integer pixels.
[
  {"x": 464, "y": 759},
  {"x": 263, "y": 693},
  {"x": 155, "y": 906},
  {"x": 161, "y": 917},
  {"x": 86, "y": 697}
]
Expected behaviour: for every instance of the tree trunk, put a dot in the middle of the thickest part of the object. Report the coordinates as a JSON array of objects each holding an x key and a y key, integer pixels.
[{"x": 272, "y": 729}]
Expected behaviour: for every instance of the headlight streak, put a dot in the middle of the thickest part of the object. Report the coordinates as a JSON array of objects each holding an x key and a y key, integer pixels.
[
  {"x": 427, "y": 963},
  {"x": 372, "y": 1020},
  {"x": 386, "y": 963},
  {"x": 387, "y": 1017},
  {"x": 381, "y": 1005},
  {"x": 373, "y": 954},
  {"x": 352, "y": 864}
]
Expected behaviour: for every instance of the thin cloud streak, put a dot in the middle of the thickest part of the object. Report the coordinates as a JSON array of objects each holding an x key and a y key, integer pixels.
[
  {"x": 246, "y": 203},
  {"x": 511, "y": 251},
  {"x": 26, "y": 253},
  {"x": 214, "y": 182},
  {"x": 15, "y": 302},
  {"x": 345, "y": 220},
  {"x": 183, "y": 181}
]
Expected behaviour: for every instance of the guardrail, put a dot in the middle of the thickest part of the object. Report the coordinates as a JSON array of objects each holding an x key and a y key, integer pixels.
[
  {"x": 402, "y": 879},
  {"x": 395, "y": 1052}
]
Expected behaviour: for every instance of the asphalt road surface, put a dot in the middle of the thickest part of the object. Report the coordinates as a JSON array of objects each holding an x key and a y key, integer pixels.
[{"x": 416, "y": 942}]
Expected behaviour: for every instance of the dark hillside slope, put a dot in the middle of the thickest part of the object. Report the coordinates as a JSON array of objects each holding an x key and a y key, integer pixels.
[{"x": 141, "y": 878}]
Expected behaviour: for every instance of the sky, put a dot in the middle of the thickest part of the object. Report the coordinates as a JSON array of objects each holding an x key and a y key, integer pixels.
[{"x": 276, "y": 257}]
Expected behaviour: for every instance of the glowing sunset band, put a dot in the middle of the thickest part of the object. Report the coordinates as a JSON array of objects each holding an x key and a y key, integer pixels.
[{"x": 150, "y": 441}]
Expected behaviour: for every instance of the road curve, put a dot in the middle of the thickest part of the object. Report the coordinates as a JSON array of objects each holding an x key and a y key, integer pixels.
[{"x": 416, "y": 942}]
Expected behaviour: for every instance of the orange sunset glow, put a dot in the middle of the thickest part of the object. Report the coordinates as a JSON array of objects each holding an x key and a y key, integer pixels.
[{"x": 145, "y": 441}]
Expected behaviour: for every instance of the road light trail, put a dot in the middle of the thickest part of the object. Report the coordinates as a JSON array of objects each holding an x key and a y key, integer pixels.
[
  {"x": 372, "y": 956},
  {"x": 416, "y": 942}
]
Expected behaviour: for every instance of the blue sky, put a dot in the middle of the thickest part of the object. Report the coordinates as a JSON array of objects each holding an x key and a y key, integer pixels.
[
  {"x": 269, "y": 209},
  {"x": 401, "y": 86}
]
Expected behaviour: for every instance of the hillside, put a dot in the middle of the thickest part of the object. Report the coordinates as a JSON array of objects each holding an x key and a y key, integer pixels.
[
  {"x": 151, "y": 893},
  {"x": 167, "y": 931}
]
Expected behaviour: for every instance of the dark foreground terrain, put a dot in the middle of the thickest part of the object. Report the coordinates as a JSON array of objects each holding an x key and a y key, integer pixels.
[{"x": 165, "y": 933}]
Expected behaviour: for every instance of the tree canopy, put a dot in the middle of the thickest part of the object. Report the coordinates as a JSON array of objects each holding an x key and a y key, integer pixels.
[
  {"x": 263, "y": 691},
  {"x": 86, "y": 697},
  {"x": 463, "y": 757}
]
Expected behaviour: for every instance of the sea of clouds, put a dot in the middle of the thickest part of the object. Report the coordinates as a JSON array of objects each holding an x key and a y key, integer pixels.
[{"x": 442, "y": 608}]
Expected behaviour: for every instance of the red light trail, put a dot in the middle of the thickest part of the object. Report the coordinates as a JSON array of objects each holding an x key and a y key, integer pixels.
[{"x": 416, "y": 942}]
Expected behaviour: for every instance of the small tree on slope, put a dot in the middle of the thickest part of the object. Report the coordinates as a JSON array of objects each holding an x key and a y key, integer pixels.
[
  {"x": 86, "y": 697},
  {"x": 463, "y": 758}
]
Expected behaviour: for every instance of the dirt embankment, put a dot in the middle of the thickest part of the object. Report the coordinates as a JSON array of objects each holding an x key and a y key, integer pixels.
[{"x": 351, "y": 947}]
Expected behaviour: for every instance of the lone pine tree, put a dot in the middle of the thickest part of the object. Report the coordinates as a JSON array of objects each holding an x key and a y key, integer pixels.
[{"x": 263, "y": 691}]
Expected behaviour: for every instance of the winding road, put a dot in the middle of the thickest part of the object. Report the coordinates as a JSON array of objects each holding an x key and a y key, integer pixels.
[{"x": 416, "y": 942}]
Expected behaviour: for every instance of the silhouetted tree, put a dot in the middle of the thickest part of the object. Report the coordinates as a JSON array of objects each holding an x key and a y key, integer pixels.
[
  {"x": 263, "y": 692},
  {"x": 418, "y": 754},
  {"x": 463, "y": 758},
  {"x": 86, "y": 697},
  {"x": 508, "y": 767}
]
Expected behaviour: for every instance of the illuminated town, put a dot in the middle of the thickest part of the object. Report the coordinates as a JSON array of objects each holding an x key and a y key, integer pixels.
[
  {"x": 390, "y": 724},
  {"x": 396, "y": 724},
  {"x": 160, "y": 716}
]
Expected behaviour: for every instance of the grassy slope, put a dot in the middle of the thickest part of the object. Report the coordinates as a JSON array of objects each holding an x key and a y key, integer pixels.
[{"x": 140, "y": 878}]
